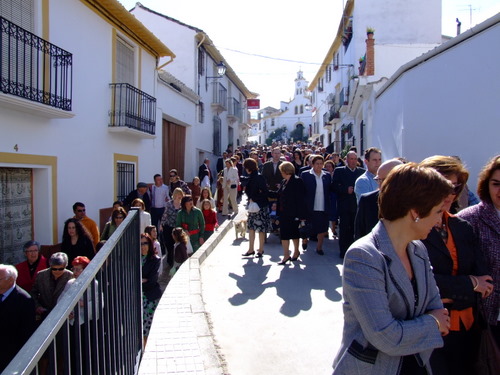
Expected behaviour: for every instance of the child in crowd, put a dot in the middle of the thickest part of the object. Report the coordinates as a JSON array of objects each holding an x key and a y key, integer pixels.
[
  {"x": 180, "y": 248},
  {"x": 274, "y": 217},
  {"x": 151, "y": 230},
  {"x": 210, "y": 218},
  {"x": 196, "y": 190}
]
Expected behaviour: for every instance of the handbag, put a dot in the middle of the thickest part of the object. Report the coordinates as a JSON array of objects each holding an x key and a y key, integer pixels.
[
  {"x": 233, "y": 186},
  {"x": 488, "y": 354},
  {"x": 253, "y": 208},
  {"x": 305, "y": 231}
]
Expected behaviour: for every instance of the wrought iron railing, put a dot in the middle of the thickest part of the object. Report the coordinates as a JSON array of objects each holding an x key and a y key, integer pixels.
[
  {"x": 106, "y": 336},
  {"x": 34, "y": 69},
  {"x": 344, "y": 96},
  {"x": 220, "y": 95},
  {"x": 132, "y": 108},
  {"x": 235, "y": 108}
]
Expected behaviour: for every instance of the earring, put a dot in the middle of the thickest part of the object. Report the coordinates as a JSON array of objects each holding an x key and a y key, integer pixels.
[{"x": 417, "y": 219}]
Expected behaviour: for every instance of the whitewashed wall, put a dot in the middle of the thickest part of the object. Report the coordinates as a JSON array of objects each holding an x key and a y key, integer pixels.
[{"x": 446, "y": 105}]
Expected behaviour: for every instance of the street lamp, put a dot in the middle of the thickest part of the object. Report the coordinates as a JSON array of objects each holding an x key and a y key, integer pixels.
[{"x": 221, "y": 70}]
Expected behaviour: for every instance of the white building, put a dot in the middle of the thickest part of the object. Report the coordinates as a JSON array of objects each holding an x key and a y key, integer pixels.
[
  {"x": 291, "y": 122},
  {"x": 359, "y": 61},
  {"x": 221, "y": 116},
  {"x": 444, "y": 102},
  {"x": 78, "y": 117}
]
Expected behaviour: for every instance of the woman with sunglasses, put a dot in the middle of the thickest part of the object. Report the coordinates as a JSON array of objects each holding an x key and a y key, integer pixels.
[
  {"x": 117, "y": 218},
  {"x": 460, "y": 273},
  {"x": 151, "y": 291},
  {"x": 49, "y": 284}
]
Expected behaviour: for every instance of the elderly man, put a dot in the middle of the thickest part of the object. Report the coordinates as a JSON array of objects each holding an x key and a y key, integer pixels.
[
  {"x": 343, "y": 182},
  {"x": 50, "y": 283},
  {"x": 140, "y": 192},
  {"x": 367, "y": 214},
  {"x": 81, "y": 214},
  {"x": 159, "y": 198},
  {"x": 34, "y": 263},
  {"x": 17, "y": 315},
  {"x": 271, "y": 172},
  {"x": 366, "y": 183}
]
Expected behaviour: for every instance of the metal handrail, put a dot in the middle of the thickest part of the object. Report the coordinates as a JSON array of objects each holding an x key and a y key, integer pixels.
[{"x": 111, "y": 340}]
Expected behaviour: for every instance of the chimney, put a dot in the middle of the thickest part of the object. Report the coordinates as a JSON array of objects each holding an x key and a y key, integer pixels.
[
  {"x": 370, "y": 55},
  {"x": 458, "y": 26}
]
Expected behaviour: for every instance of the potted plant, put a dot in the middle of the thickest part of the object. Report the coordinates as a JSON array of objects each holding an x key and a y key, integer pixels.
[{"x": 369, "y": 32}]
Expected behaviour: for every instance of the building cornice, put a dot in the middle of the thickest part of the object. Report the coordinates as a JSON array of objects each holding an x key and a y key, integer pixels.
[
  {"x": 178, "y": 86},
  {"x": 122, "y": 19}
]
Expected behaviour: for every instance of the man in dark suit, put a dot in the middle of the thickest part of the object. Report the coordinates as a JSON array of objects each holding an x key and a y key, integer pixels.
[
  {"x": 343, "y": 183},
  {"x": 204, "y": 170},
  {"x": 367, "y": 214},
  {"x": 271, "y": 172},
  {"x": 17, "y": 315},
  {"x": 220, "y": 162},
  {"x": 142, "y": 193}
]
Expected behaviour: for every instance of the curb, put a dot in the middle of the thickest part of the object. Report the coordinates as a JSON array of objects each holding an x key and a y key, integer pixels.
[{"x": 181, "y": 339}]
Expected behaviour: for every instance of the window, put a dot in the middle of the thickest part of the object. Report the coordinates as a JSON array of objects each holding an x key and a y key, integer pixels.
[
  {"x": 272, "y": 122},
  {"x": 321, "y": 84},
  {"x": 328, "y": 73},
  {"x": 20, "y": 12},
  {"x": 217, "y": 135},
  {"x": 125, "y": 179},
  {"x": 125, "y": 62},
  {"x": 201, "y": 112},
  {"x": 296, "y": 110},
  {"x": 301, "y": 108},
  {"x": 201, "y": 62}
]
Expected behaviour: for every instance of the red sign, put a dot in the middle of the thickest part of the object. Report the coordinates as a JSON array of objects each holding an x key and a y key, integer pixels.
[{"x": 253, "y": 103}]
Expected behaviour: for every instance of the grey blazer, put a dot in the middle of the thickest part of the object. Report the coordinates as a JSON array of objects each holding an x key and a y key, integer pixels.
[{"x": 382, "y": 323}]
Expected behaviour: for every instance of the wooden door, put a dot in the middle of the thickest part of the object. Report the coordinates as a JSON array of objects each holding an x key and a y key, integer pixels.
[{"x": 174, "y": 148}]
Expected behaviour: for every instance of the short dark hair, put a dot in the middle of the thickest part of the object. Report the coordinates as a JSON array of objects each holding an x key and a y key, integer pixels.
[
  {"x": 76, "y": 205},
  {"x": 156, "y": 175},
  {"x": 369, "y": 152},
  {"x": 31, "y": 243},
  {"x": 184, "y": 200},
  {"x": 483, "y": 189},
  {"x": 410, "y": 186},
  {"x": 316, "y": 158},
  {"x": 250, "y": 164}
]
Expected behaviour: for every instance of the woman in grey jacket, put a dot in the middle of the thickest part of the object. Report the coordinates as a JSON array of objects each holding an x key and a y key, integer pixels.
[{"x": 393, "y": 314}]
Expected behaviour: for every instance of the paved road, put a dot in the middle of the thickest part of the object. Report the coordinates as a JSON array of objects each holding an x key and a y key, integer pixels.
[{"x": 272, "y": 319}]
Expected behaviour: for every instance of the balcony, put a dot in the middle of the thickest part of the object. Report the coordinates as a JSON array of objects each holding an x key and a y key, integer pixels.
[
  {"x": 344, "y": 99},
  {"x": 334, "y": 115},
  {"x": 219, "y": 102},
  {"x": 326, "y": 120},
  {"x": 132, "y": 111},
  {"x": 234, "y": 110},
  {"x": 36, "y": 75}
]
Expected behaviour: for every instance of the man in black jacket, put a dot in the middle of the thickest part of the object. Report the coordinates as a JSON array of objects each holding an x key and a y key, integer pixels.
[
  {"x": 343, "y": 183},
  {"x": 17, "y": 315}
]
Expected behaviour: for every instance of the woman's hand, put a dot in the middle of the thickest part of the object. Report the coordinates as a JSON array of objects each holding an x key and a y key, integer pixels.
[
  {"x": 442, "y": 318},
  {"x": 482, "y": 284}
]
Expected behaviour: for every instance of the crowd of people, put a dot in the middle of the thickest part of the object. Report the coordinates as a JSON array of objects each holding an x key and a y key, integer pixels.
[{"x": 420, "y": 251}]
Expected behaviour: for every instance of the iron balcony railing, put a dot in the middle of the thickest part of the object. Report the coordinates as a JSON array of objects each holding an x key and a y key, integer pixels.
[
  {"x": 234, "y": 108},
  {"x": 220, "y": 95},
  {"x": 132, "y": 108},
  {"x": 34, "y": 69},
  {"x": 106, "y": 335}
]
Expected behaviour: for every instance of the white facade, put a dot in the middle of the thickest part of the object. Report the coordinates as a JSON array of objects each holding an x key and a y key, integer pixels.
[
  {"x": 221, "y": 116},
  {"x": 342, "y": 92},
  {"x": 444, "y": 103},
  {"x": 74, "y": 154},
  {"x": 291, "y": 116}
]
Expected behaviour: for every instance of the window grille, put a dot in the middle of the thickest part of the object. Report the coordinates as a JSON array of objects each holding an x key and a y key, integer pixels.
[{"x": 125, "y": 179}]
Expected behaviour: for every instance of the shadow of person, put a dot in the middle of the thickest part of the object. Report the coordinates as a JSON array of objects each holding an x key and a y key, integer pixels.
[
  {"x": 238, "y": 241},
  {"x": 298, "y": 280},
  {"x": 251, "y": 283}
]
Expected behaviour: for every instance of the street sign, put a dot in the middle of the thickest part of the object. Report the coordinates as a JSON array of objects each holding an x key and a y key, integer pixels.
[{"x": 253, "y": 103}]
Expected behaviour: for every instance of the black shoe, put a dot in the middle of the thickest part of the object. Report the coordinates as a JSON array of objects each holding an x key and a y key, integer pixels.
[
  {"x": 320, "y": 252},
  {"x": 294, "y": 259},
  {"x": 304, "y": 245},
  {"x": 248, "y": 253},
  {"x": 284, "y": 261},
  {"x": 259, "y": 255}
]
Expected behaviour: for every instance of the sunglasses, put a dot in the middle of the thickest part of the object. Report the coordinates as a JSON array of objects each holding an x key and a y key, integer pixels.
[
  {"x": 144, "y": 243},
  {"x": 56, "y": 269},
  {"x": 173, "y": 175},
  {"x": 81, "y": 210},
  {"x": 119, "y": 217}
]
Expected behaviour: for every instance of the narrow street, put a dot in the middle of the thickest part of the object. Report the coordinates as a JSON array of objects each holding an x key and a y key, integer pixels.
[{"x": 272, "y": 319}]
